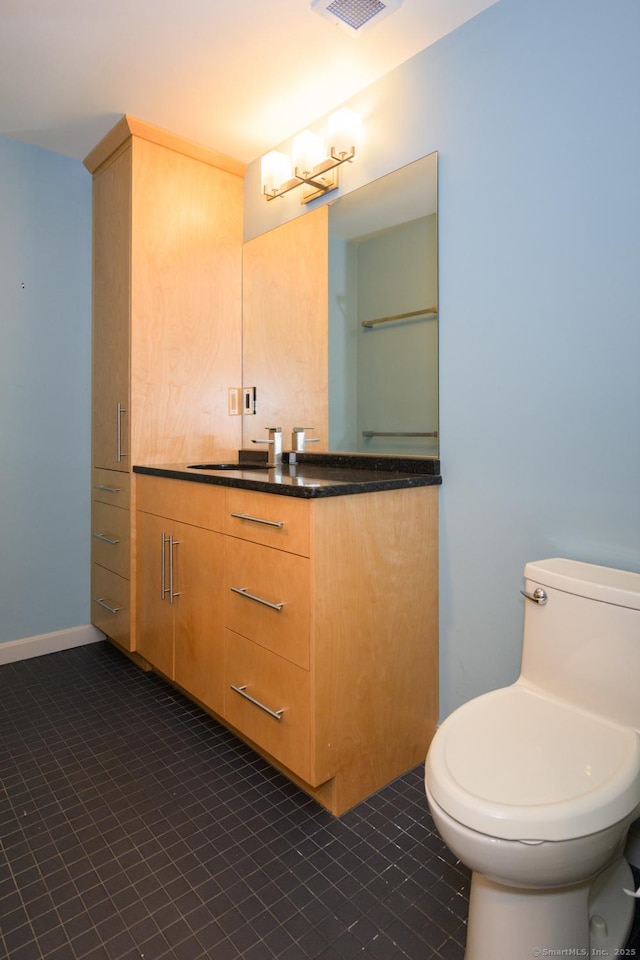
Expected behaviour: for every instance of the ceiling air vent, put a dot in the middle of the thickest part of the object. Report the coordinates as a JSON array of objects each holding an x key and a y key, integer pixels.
[{"x": 355, "y": 16}]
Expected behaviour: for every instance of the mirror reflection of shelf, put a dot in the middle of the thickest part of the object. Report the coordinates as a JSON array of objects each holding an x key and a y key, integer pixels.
[
  {"x": 395, "y": 433},
  {"x": 428, "y": 312}
]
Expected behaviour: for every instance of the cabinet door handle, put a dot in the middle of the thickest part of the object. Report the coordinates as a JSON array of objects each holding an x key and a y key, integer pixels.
[
  {"x": 107, "y": 489},
  {"x": 167, "y": 540},
  {"x": 242, "y": 591},
  {"x": 162, "y": 586},
  {"x": 268, "y": 523},
  {"x": 119, "y": 411},
  {"x": 172, "y": 593},
  {"x": 105, "y": 538},
  {"x": 163, "y": 589},
  {"x": 103, "y": 603},
  {"x": 276, "y": 714}
]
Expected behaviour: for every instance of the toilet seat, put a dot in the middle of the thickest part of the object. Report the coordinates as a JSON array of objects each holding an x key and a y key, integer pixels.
[{"x": 519, "y": 765}]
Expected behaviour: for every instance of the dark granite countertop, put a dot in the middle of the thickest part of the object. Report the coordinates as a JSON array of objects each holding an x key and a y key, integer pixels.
[{"x": 314, "y": 475}]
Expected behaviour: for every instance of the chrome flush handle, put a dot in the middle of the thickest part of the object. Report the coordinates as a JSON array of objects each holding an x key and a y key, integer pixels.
[{"x": 538, "y": 596}]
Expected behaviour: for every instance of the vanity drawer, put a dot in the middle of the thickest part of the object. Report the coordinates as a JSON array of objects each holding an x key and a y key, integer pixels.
[
  {"x": 267, "y": 598},
  {"x": 281, "y": 522},
  {"x": 110, "y": 486},
  {"x": 110, "y": 605},
  {"x": 276, "y": 685},
  {"x": 110, "y": 537},
  {"x": 198, "y": 504}
]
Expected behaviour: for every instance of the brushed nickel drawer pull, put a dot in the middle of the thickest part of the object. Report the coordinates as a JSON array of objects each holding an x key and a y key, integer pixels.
[
  {"x": 163, "y": 589},
  {"x": 120, "y": 454},
  {"x": 268, "y": 523},
  {"x": 276, "y": 714},
  {"x": 105, "y": 538},
  {"x": 103, "y": 603},
  {"x": 172, "y": 593},
  {"x": 107, "y": 489},
  {"x": 166, "y": 540},
  {"x": 242, "y": 591}
]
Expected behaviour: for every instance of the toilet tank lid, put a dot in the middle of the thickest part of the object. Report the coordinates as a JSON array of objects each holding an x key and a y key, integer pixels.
[{"x": 619, "y": 587}]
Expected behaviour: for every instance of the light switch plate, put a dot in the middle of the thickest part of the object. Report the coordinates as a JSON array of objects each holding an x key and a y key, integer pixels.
[
  {"x": 248, "y": 401},
  {"x": 234, "y": 401}
]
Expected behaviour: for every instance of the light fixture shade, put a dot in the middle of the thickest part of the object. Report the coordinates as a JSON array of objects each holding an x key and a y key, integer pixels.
[
  {"x": 345, "y": 132},
  {"x": 307, "y": 151},
  {"x": 275, "y": 169}
]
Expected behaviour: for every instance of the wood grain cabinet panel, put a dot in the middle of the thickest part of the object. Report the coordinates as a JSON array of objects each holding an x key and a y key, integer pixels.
[
  {"x": 111, "y": 371},
  {"x": 280, "y": 522},
  {"x": 198, "y": 504}
]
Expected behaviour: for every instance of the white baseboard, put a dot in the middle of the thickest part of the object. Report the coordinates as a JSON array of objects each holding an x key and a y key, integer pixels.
[{"x": 14, "y": 650}]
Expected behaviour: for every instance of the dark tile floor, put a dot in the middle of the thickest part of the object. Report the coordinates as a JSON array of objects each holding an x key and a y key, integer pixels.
[{"x": 134, "y": 827}]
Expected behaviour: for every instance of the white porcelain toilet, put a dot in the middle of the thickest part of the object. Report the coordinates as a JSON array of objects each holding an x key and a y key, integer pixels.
[{"x": 534, "y": 786}]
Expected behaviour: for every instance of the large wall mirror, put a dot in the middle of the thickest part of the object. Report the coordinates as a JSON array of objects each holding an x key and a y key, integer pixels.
[
  {"x": 383, "y": 315},
  {"x": 340, "y": 321}
]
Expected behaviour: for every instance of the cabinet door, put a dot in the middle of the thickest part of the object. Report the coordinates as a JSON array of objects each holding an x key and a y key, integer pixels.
[
  {"x": 154, "y": 611},
  {"x": 111, "y": 265},
  {"x": 198, "y": 612},
  {"x": 186, "y": 306}
]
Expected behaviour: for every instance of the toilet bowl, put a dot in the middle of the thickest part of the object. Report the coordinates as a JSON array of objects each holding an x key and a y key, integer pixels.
[{"x": 534, "y": 791}]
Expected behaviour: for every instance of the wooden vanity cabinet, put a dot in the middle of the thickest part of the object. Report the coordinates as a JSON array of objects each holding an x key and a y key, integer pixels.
[
  {"x": 324, "y": 642},
  {"x": 167, "y": 341}
]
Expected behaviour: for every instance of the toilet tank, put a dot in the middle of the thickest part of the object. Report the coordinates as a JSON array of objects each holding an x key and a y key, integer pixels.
[{"x": 583, "y": 644}]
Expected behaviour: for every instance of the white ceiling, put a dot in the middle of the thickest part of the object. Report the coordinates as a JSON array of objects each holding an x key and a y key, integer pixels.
[{"x": 236, "y": 75}]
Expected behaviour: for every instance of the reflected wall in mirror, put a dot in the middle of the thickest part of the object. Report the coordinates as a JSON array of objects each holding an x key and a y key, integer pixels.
[{"x": 383, "y": 319}]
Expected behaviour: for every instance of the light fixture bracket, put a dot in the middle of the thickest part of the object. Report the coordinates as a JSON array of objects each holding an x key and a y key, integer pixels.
[{"x": 323, "y": 178}]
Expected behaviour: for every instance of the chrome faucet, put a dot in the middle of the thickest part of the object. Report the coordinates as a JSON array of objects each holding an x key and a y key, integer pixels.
[
  {"x": 298, "y": 440},
  {"x": 274, "y": 456}
]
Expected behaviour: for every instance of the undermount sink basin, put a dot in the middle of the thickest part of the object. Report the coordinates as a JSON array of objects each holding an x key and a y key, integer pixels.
[{"x": 228, "y": 466}]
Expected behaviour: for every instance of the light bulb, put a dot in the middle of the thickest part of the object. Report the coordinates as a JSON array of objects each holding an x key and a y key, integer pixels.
[
  {"x": 345, "y": 132},
  {"x": 307, "y": 151},
  {"x": 275, "y": 169}
]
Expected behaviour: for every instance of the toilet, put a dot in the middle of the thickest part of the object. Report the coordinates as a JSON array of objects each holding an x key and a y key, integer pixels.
[{"x": 534, "y": 786}]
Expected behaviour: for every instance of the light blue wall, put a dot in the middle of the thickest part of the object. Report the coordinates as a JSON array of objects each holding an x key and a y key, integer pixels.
[
  {"x": 45, "y": 325},
  {"x": 533, "y": 108}
]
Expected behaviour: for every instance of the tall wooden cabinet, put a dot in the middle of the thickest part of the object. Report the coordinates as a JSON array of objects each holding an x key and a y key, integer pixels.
[{"x": 167, "y": 332}]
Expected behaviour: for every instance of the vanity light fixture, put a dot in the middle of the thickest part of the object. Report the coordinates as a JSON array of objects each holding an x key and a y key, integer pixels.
[{"x": 313, "y": 169}]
